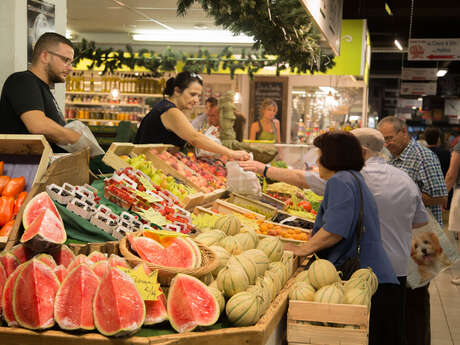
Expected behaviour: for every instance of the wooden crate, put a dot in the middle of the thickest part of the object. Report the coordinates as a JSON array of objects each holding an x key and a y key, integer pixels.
[
  {"x": 300, "y": 331},
  {"x": 245, "y": 201}
]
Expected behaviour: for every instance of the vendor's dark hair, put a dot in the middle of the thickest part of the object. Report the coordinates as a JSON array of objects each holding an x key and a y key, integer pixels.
[
  {"x": 49, "y": 40},
  {"x": 212, "y": 101},
  {"x": 340, "y": 150},
  {"x": 182, "y": 81},
  {"x": 432, "y": 135}
]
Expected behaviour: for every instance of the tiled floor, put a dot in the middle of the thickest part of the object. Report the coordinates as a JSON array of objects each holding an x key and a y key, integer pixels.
[{"x": 445, "y": 308}]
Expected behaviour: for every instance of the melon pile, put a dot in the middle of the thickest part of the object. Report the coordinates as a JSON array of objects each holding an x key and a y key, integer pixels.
[
  {"x": 251, "y": 273},
  {"x": 321, "y": 283}
]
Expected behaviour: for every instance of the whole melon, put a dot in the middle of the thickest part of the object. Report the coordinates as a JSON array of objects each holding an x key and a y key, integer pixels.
[
  {"x": 247, "y": 264},
  {"x": 331, "y": 294},
  {"x": 218, "y": 296},
  {"x": 369, "y": 275},
  {"x": 231, "y": 280},
  {"x": 357, "y": 283},
  {"x": 243, "y": 309},
  {"x": 280, "y": 267},
  {"x": 302, "y": 291},
  {"x": 321, "y": 273},
  {"x": 222, "y": 258},
  {"x": 257, "y": 290},
  {"x": 210, "y": 238},
  {"x": 260, "y": 258},
  {"x": 273, "y": 247},
  {"x": 231, "y": 245},
  {"x": 357, "y": 296},
  {"x": 229, "y": 224},
  {"x": 267, "y": 287},
  {"x": 245, "y": 240},
  {"x": 288, "y": 260},
  {"x": 277, "y": 281},
  {"x": 252, "y": 233},
  {"x": 303, "y": 277},
  {"x": 207, "y": 278}
]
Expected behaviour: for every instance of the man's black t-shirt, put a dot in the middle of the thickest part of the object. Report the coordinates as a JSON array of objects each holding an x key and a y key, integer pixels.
[{"x": 22, "y": 92}]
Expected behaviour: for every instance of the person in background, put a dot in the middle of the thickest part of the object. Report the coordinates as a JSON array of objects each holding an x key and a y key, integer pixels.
[
  {"x": 267, "y": 127},
  {"x": 433, "y": 138},
  {"x": 27, "y": 105},
  {"x": 210, "y": 116},
  {"x": 334, "y": 236},
  {"x": 422, "y": 165},
  {"x": 167, "y": 124},
  {"x": 453, "y": 181}
]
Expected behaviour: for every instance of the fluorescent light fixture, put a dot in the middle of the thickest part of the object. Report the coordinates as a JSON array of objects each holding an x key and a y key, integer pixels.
[
  {"x": 188, "y": 36},
  {"x": 398, "y": 45},
  {"x": 414, "y": 108},
  {"x": 441, "y": 73},
  {"x": 420, "y": 99}
]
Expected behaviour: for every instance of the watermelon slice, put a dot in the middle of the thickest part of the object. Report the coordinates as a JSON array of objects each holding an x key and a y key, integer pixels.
[
  {"x": 79, "y": 259},
  {"x": 196, "y": 250},
  {"x": 9, "y": 262},
  {"x": 190, "y": 304},
  {"x": 36, "y": 207},
  {"x": 3, "y": 279},
  {"x": 21, "y": 252},
  {"x": 100, "y": 268},
  {"x": 60, "y": 272},
  {"x": 149, "y": 250},
  {"x": 63, "y": 255},
  {"x": 118, "y": 308},
  {"x": 97, "y": 256},
  {"x": 73, "y": 307},
  {"x": 118, "y": 261},
  {"x": 33, "y": 295},
  {"x": 155, "y": 311},
  {"x": 44, "y": 233},
  {"x": 7, "y": 298},
  {"x": 47, "y": 259}
]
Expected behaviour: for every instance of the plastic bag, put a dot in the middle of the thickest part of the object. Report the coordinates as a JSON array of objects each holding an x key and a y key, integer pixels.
[
  {"x": 87, "y": 139},
  {"x": 212, "y": 133},
  {"x": 242, "y": 182}
]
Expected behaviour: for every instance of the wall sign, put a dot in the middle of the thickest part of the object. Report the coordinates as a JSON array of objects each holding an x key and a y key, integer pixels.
[
  {"x": 327, "y": 14},
  {"x": 419, "y": 74},
  {"x": 418, "y": 89},
  {"x": 40, "y": 19},
  {"x": 433, "y": 49}
]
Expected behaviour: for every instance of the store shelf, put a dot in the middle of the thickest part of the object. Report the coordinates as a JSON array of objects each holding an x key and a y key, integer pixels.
[
  {"x": 105, "y": 104},
  {"x": 109, "y": 94},
  {"x": 102, "y": 120}
]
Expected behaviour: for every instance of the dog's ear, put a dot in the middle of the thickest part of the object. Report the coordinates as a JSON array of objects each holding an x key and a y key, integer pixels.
[{"x": 435, "y": 241}]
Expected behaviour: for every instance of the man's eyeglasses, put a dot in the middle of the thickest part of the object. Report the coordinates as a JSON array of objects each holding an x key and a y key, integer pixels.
[
  {"x": 67, "y": 61},
  {"x": 390, "y": 138}
]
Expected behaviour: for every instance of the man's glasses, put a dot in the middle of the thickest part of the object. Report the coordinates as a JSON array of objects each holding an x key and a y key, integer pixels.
[
  {"x": 67, "y": 61},
  {"x": 390, "y": 138}
]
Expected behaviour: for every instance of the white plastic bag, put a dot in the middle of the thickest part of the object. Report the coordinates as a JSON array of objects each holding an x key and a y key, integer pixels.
[
  {"x": 87, "y": 139},
  {"x": 212, "y": 133},
  {"x": 242, "y": 182}
]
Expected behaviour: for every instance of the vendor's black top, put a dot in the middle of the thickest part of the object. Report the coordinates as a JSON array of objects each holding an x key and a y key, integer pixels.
[
  {"x": 22, "y": 92},
  {"x": 152, "y": 130}
]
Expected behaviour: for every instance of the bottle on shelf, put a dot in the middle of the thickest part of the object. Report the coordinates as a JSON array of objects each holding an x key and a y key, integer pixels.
[{"x": 91, "y": 83}]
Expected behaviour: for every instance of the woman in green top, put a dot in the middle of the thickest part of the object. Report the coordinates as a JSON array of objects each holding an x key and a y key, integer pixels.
[{"x": 267, "y": 127}]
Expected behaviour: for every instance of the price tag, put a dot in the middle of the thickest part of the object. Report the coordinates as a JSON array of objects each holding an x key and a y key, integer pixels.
[{"x": 146, "y": 284}]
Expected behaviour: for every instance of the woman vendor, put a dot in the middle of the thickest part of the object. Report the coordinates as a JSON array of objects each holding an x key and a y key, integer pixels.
[
  {"x": 334, "y": 233},
  {"x": 267, "y": 127},
  {"x": 167, "y": 124}
]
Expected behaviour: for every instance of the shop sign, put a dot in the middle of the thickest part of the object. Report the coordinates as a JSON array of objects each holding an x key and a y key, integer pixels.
[
  {"x": 418, "y": 89},
  {"x": 419, "y": 74},
  {"x": 327, "y": 14},
  {"x": 433, "y": 49}
]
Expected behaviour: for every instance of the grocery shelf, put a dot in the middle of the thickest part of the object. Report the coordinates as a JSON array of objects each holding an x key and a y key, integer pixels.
[
  {"x": 102, "y": 120},
  {"x": 105, "y": 104},
  {"x": 109, "y": 94}
]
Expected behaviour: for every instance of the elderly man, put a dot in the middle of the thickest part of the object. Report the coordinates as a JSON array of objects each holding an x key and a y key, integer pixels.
[
  {"x": 400, "y": 210},
  {"x": 422, "y": 165},
  {"x": 210, "y": 116}
]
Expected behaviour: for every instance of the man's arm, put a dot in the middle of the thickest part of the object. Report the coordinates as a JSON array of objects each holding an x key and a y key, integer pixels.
[
  {"x": 36, "y": 122},
  {"x": 433, "y": 201},
  {"x": 321, "y": 240},
  {"x": 452, "y": 173}
]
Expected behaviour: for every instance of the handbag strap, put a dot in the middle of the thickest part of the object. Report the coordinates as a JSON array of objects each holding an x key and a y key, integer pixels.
[{"x": 359, "y": 225}]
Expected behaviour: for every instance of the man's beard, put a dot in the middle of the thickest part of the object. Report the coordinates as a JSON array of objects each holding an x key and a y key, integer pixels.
[{"x": 53, "y": 77}]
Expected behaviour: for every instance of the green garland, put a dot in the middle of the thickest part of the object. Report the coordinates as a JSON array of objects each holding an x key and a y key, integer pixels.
[{"x": 281, "y": 27}]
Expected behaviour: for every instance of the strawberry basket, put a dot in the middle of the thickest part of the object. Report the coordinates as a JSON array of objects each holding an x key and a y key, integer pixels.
[{"x": 208, "y": 264}]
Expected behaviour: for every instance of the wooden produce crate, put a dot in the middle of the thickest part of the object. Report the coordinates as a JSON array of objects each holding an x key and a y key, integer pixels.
[
  {"x": 300, "y": 331},
  {"x": 258, "y": 334},
  {"x": 113, "y": 158},
  {"x": 253, "y": 205},
  {"x": 24, "y": 155}
]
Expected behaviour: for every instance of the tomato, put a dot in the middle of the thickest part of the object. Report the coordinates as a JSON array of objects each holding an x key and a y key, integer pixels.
[
  {"x": 2, "y": 165},
  {"x": 19, "y": 201},
  {"x": 3, "y": 182},
  {"x": 6, "y": 229},
  {"x": 14, "y": 187},
  {"x": 305, "y": 205},
  {"x": 6, "y": 209}
]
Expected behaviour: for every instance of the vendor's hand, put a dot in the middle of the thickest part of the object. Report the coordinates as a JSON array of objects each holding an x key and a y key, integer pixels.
[
  {"x": 298, "y": 250},
  {"x": 253, "y": 166},
  {"x": 241, "y": 155}
]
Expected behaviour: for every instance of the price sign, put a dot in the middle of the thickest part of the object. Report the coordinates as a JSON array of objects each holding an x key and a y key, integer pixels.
[{"x": 146, "y": 284}]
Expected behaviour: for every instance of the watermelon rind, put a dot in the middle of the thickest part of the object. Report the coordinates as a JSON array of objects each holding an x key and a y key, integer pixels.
[
  {"x": 66, "y": 305},
  {"x": 189, "y": 301},
  {"x": 32, "y": 295},
  {"x": 7, "y": 297}
]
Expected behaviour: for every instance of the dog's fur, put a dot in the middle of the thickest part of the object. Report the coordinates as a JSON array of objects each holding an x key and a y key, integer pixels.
[{"x": 427, "y": 254}]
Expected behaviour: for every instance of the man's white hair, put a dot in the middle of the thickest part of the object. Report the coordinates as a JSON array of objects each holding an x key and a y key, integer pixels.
[{"x": 370, "y": 138}]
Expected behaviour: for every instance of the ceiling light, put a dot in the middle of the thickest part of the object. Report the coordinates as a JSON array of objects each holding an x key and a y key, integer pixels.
[
  {"x": 388, "y": 9},
  {"x": 187, "y": 36},
  {"x": 398, "y": 45},
  {"x": 441, "y": 73},
  {"x": 420, "y": 99}
]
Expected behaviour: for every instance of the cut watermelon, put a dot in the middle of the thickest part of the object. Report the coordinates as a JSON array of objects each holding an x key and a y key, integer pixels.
[
  {"x": 190, "y": 304},
  {"x": 118, "y": 261},
  {"x": 9, "y": 262},
  {"x": 149, "y": 250},
  {"x": 3, "y": 279},
  {"x": 79, "y": 259},
  {"x": 21, "y": 252},
  {"x": 47, "y": 259},
  {"x": 97, "y": 256},
  {"x": 118, "y": 308},
  {"x": 7, "y": 298},
  {"x": 60, "y": 272},
  {"x": 155, "y": 311},
  {"x": 33, "y": 296},
  {"x": 45, "y": 233},
  {"x": 101, "y": 268},
  {"x": 36, "y": 207},
  {"x": 73, "y": 307},
  {"x": 63, "y": 255}
]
